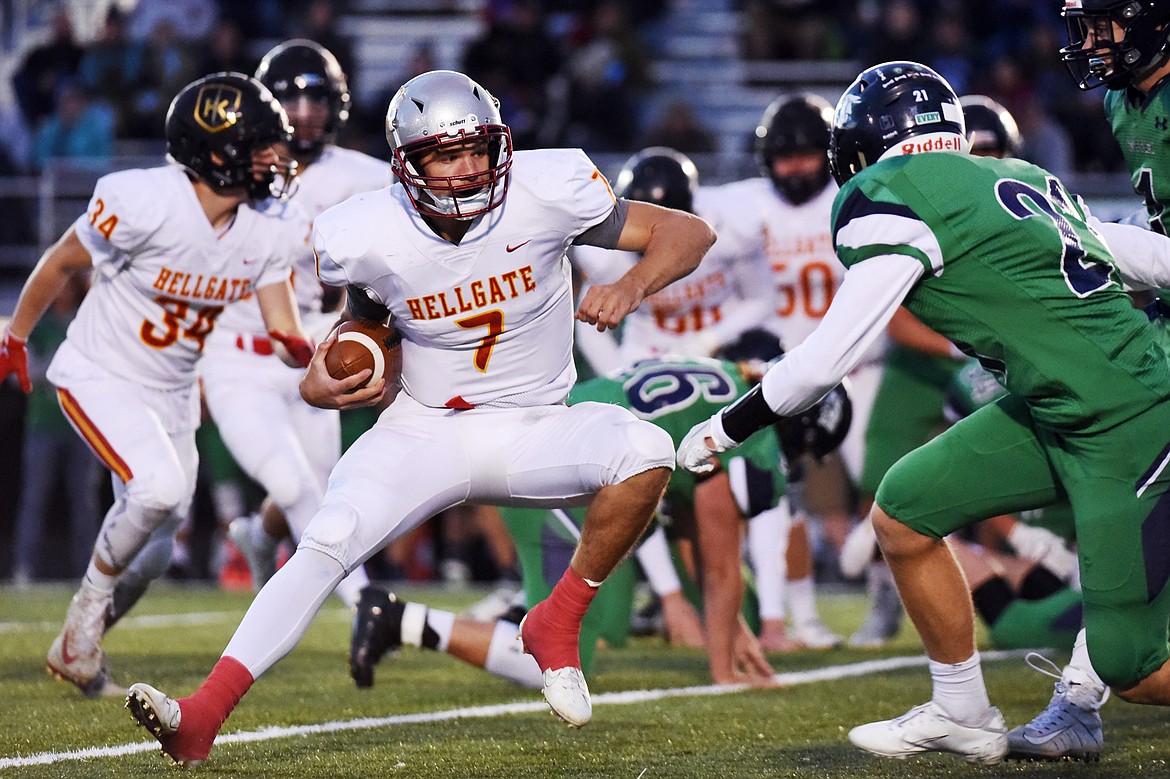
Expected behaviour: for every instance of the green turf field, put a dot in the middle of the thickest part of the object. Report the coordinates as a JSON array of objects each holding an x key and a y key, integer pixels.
[{"x": 302, "y": 718}]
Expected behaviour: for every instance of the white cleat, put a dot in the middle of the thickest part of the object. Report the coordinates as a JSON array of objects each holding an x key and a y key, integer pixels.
[
  {"x": 568, "y": 695},
  {"x": 927, "y": 728},
  {"x": 153, "y": 709},
  {"x": 814, "y": 634},
  {"x": 76, "y": 654},
  {"x": 261, "y": 558}
]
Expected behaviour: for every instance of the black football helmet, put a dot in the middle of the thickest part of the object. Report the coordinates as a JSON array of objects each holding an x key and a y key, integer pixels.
[
  {"x": 659, "y": 175},
  {"x": 1095, "y": 57},
  {"x": 819, "y": 429},
  {"x": 790, "y": 125},
  {"x": 229, "y": 115},
  {"x": 304, "y": 68},
  {"x": 991, "y": 129},
  {"x": 896, "y": 106}
]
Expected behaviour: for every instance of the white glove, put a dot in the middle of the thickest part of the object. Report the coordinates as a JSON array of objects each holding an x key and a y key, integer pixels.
[{"x": 694, "y": 454}]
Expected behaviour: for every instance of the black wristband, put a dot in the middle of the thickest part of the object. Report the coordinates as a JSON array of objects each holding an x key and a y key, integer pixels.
[{"x": 747, "y": 415}]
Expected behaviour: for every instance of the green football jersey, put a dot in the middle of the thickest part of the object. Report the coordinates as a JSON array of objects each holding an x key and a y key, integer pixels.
[
  {"x": 1015, "y": 277},
  {"x": 677, "y": 394},
  {"x": 1142, "y": 129}
]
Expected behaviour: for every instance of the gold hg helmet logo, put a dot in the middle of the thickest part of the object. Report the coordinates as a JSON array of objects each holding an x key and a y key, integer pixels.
[{"x": 217, "y": 107}]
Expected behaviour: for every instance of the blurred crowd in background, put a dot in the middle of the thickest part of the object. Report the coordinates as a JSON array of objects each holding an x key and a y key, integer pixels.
[
  {"x": 572, "y": 73},
  {"x": 576, "y": 73}
]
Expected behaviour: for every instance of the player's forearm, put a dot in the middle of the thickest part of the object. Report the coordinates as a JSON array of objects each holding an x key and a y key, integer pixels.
[
  {"x": 54, "y": 270},
  {"x": 675, "y": 248},
  {"x": 278, "y": 308}
]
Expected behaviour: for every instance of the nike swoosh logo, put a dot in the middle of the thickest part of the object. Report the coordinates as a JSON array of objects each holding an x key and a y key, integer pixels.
[
  {"x": 511, "y": 249},
  {"x": 1043, "y": 739},
  {"x": 928, "y": 742},
  {"x": 66, "y": 655}
]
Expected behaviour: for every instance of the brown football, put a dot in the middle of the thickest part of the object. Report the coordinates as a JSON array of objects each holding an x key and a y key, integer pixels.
[{"x": 361, "y": 345}]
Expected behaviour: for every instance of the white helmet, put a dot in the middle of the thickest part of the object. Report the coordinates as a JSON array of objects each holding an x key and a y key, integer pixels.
[{"x": 436, "y": 109}]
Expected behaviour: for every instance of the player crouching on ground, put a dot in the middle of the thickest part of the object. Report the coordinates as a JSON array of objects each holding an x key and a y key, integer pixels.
[{"x": 467, "y": 255}]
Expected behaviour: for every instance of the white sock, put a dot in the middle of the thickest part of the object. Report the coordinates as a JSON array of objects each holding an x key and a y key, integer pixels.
[
  {"x": 802, "y": 602},
  {"x": 767, "y": 542},
  {"x": 506, "y": 658},
  {"x": 259, "y": 536},
  {"x": 654, "y": 556},
  {"x": 959, "y": 690},
  {"x": 1080, "y": 661},
  {"x": 427, "y": 628}
]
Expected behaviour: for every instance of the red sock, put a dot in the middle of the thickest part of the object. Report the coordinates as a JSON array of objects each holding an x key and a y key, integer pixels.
[
  {"x": 571, "y": 598},
  {"x": 218, "y": 695},
  {"x": 558, "y": 624}
]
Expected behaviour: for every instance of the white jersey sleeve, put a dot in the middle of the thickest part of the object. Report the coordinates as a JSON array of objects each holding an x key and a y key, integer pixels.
[{"x": 121, "y": 217}]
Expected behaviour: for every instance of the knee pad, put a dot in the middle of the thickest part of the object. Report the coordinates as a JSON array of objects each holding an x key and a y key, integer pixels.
[
  {"x": 652, "y": 443},
  {"x": 1119, "y": 655},
  {"x": 162, "y": 490},
  {"x": 284, "y": 481},
  {"x": 331, "y": 532}
]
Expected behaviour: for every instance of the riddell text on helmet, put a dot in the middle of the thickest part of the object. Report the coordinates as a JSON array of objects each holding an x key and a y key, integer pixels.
[{"x": 933, "y": 142}]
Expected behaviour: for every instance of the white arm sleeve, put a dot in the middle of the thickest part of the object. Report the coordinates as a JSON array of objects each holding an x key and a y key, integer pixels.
[
  {"x": 1142, "y": 256},
  {"x": 870, "y": 294}
]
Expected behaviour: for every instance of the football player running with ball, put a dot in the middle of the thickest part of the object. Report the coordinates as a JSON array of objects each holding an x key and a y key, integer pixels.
[
  {"x": 1014, "y": 271},
  {"x": 284, "y": 444},
  {"x": 169, "y": 248},
  {"x": 467, "y": 254}
]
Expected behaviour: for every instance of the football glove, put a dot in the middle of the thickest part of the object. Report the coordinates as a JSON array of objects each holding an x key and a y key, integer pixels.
[
  {"x": 299, "y": 349},
  {"x": 693, "y": 452},
  {"x": 14, "y": 359}
]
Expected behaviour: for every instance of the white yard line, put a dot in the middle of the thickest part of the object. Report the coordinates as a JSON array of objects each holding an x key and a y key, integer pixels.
[{"x": 791, "y": 679}]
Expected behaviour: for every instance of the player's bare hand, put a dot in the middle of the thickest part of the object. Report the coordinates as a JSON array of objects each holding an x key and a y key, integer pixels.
[
  {"x": 683, "y": 626},
  {"x": 320, "y": 389},
  {"x": 606, "y": 305},
  {"x": 749, "y": 661}
]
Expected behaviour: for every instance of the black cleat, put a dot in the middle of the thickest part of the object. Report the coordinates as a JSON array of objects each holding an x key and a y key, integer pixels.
[{"x": 377, "y": 629}]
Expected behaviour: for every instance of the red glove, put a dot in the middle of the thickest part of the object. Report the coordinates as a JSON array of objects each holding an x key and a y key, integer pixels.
[
  {"x": 14, "y": 359},
  {"x": 301, "y": 349}
]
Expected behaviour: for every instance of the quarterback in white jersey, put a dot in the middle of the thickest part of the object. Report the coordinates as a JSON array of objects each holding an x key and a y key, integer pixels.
[
  {"x": 729, "y": 293},
  {"x": 169, "y": 248},
  {"x": 284, "y": 444},
  {"x": 467, "y": 253}
]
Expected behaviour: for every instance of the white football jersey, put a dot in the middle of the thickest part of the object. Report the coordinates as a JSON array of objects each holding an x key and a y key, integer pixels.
[
  {"x": 728, "y": 293},
  {"x": 798, "y": 244},
  {"x": 162, "y": 275},
  {"x": 488, "y": 322},
  {"x": 336, "y": 175}
]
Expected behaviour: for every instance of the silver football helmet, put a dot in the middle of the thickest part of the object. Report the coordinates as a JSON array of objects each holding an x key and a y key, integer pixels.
[{"x": 441, "y": 108}]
